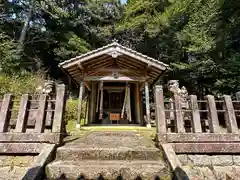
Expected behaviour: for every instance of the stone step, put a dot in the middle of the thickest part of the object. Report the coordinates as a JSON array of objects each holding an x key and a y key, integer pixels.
[
  {"x": 107, "y": 169},
  {"x": 122, "y": 153}
]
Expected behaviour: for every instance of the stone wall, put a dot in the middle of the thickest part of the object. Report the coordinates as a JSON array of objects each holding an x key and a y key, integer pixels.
[{"x": 219, "y": 167}]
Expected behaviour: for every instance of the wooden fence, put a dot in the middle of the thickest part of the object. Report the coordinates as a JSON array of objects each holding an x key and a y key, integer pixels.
[
  {"x": 203, "y": 122},
  {"x": 33, "y": 120}
]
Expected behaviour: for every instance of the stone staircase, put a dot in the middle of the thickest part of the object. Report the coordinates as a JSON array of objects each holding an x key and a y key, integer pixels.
[{"x": 109, "y": 155}]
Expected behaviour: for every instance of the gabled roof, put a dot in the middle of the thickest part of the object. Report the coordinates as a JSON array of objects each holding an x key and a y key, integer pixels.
[
  {"x": 114, "y": 55},
  {"x": 115, "y": 48}
]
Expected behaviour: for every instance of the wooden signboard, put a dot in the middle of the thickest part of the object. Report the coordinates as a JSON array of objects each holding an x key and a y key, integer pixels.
[{"x": 114, "y": 116}]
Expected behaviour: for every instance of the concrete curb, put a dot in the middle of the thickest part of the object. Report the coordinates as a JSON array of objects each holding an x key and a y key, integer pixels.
[
  {"x": 174, "y": 162},
  {"x": 36, "y": 169}
]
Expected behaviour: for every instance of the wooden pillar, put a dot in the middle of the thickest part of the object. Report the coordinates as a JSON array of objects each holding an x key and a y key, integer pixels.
[
  {"x": 141, "y": 106},
  {"x": 98, "y": 94},
  {"x": 21, "y": 124},
  {"x": 129, "y": 103},
  {"x": 41, "y": 114},
  {"x": 213, "y": 116},
  {"x": 86, "y": 110},
  {"x": 178, "y": 114},
  {"x": 159, "y": 110},
  {"x": 5, "y": 112},
  {"x": 230, "y": 117},
  {"x": 196, "y": 121},
  {"x": 101, "y": 101},
  {"x": 137, "y": 103},
  {"x": 147, "y": 105},
  {"x": 80, "y": 98},
  {"x": 92, "y": 109}
]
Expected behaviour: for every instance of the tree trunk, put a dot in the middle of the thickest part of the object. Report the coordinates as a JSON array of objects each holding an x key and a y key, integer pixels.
[{"x": 23, "y": 35}]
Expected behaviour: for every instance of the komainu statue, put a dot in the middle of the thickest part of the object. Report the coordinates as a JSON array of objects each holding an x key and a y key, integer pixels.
[
  {"x": 173, "y": 87},
  {"x": 48, "y": 88}
]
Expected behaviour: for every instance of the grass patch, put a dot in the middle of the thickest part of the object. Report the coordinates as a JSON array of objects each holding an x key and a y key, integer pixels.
[{"x": 142, "y": 131}]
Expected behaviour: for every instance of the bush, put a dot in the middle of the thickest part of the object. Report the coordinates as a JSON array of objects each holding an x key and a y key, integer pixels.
[
  {"x": 72, "y": 109},
  {"x": 19, "y": 84}
]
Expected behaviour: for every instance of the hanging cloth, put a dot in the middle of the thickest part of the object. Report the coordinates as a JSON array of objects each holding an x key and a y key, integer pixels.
[{"x": 124, "y": 102}]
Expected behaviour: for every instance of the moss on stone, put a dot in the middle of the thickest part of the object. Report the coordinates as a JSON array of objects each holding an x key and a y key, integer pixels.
[{"x": 20, "y": 161}]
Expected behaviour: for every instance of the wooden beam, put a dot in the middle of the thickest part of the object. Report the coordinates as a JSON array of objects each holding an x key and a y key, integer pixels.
[
  {"x": 98, "y": 65},
  {"x": 87, "y": 85},
  {"x": 82, "y": 59},
  {"x": 95, "y": 60},
  {"x": 142, "y": 59},
  {"x": 111, "y": 78},
  {"x": 80, "y": 66},
  {"x": 111, "y": 70}
]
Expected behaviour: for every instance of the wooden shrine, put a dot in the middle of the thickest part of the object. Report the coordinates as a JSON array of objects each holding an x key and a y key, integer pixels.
[{"x": 114, "y": 77}]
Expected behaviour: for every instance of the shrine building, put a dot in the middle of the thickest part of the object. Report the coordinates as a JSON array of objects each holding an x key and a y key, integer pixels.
[{"x": 113, "y": 77}]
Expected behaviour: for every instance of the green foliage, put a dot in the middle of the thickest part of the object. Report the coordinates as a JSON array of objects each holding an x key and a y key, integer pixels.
[
  {"x": 200, "y": 39},
  {"x": 8, "y": 62},
  {"x": 72, "y": 109},
  {"x": 19, "y": 84}
]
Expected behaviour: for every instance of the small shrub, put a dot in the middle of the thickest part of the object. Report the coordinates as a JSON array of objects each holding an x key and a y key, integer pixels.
[{"x": 72, "y": 109}]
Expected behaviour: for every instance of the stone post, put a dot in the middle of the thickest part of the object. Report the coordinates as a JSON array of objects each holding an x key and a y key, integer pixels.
[
  {"x": 21, "y": 124},
  {"x": 178, "y": 114},
  {"x": 58, "y": 120},
  {"x": 196, "y": 121},
  {"x": 230, "y": 117},
  {"x": 159, "y": 110},
  {"x": 213, "y": 116},
  {"x": 5, "y": 112},
  {"x": 41, "y": 114}
]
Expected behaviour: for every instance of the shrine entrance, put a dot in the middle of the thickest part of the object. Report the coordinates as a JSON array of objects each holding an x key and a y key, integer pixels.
[
  {"x": 117, "y": 105},
  {"x": 112, "y": 79}
]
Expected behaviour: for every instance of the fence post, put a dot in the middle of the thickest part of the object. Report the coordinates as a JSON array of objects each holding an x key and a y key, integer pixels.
[
  {"x": 60, "y": 103},
  {"x": 230, "y": 117},
  {"x": 178, "y": 114},
  {"x": 41, "y": 114},
  {"x": 213, "y": 116},
  {"x": 5, "y": 112},
  {"x": 196, "y": 121},
  {"x": 159, "y": 108},
  {"x": 22, "y": 114}
]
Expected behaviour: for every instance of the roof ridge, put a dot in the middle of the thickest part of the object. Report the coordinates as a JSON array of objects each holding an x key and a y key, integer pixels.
[{"x": 115, "y": 44}]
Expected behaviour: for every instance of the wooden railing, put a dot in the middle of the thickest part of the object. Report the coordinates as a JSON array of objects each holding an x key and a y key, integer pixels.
[
  {"x": 33, "y": 120},
  {"x": 202, "y": 116},
  {"x": 202, "y": 122}
]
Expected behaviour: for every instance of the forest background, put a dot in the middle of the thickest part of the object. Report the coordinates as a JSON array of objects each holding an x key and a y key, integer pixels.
[{"x": 199, "y": 39}]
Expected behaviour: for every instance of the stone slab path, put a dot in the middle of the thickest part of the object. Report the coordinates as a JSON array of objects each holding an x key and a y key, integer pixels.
[{"x": 109, "y": 155}]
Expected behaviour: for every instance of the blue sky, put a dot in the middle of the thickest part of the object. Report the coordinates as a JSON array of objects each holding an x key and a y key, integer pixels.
[{"x": 123, "y": 1}]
